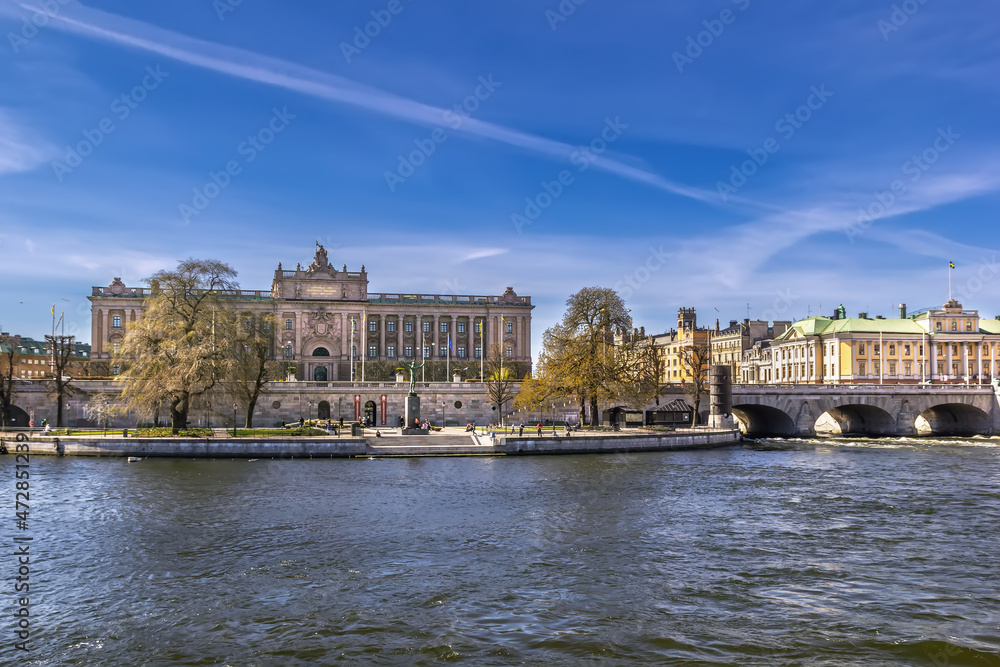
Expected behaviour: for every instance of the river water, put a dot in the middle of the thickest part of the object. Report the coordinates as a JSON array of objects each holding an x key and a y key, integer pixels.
[{"x": 779, "y": 552}]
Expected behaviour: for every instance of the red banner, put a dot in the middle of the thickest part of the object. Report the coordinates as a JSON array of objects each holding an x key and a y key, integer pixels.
[
  {"x": 384, "y": 401},
  {"x": 357, "y": 408}
]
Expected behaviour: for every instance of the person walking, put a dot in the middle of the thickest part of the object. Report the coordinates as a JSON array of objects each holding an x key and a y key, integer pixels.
[
  {"x": 520, "y": 430},
  {"x": 539, "y": 429}
]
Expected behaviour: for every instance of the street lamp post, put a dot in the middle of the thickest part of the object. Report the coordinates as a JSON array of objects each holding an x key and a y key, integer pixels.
[
  {"x": 235, "y": 407},
  {"x": 444, "y": 423}
]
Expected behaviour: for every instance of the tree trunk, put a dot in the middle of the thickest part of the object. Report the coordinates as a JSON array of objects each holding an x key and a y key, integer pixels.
[
  {"x": 595, "y": 417},
  {"x": 248, "y": 422},
  {"x": 694, "y": 414},
  {"x": 59, "y": 406}
]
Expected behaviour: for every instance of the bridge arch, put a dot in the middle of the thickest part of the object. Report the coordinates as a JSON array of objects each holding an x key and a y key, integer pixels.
[
  {"x": 18, "y": 418},
  {"x": 764, "y": 420},
  {"x": 855, "y": 419},
  {"x": 953, "y": 419}
]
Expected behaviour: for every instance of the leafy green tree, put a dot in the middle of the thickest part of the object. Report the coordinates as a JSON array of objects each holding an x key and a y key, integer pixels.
[
  {"x": 247, "y": 364},
  {"x": 174, "y": 352}
]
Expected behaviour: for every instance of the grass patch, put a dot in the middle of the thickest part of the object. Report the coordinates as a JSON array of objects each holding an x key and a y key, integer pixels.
[{"x": 166, "y": 432}]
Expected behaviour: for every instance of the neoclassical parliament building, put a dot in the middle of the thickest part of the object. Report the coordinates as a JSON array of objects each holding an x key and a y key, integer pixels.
[{"x": 326, "y": 317}]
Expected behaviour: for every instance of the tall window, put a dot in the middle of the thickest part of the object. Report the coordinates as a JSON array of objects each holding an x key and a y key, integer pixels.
[
  {"x": 510, "y": 352},
  {"x": 937, "y": 326},
  {"x": 372, "y": 351},
  {"x": 427, "y": 351},
  {"x": 427, "y": 327},
  {"x": 461, "y": 352},
  {"x": 892, "y": 349},
  {"x": 954, "y": 327},
  {"x": 862, "y": 368},
  {"x": 266, "y": 325},
  {"x": 461, "y": 327},
  {"x": 288, "y": 350},
  {"x": 116, "y": 347},
  {"x": 479, "y": 328},
  {"x": 116, "y": 321},
  {"x": 288, "y": 325},
  {"x": 479, "y": 353},
  {"x": 876, "y": 349},
  {"x": 444, "y": 351},
  {"x": 510, "y": 327},
  {"x": 408, "y": 351},
  {"x": 372, "y": 325},
  {"x": 968, "y": 325},
  {"x": 390, "y": 326},
  {"x": 248, "y": 324},
  {"x": 115, "y": 369},
  {"x": 906, "y": 350},
  {"x": 861, "y": 350},
  {"x": 444, "y": 327},
  {"x": 408, "y": 326},
  {"x": 390, "y": 351},
  {"x": 921, "y": 350}
]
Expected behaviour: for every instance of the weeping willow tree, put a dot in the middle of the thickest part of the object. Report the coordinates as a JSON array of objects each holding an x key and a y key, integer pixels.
[{"x": 178, "y": 348}]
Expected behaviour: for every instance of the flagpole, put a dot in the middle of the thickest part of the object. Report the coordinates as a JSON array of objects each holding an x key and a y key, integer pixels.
[
  {"x": 423, "y": 348},
  {"x": 364, "y": 345},
  {"x": 447, "y": 364},
  {"x": 949, "y": 281},
  {"x": 352, "y": 348},
  {"x": 482, "y": 350}
]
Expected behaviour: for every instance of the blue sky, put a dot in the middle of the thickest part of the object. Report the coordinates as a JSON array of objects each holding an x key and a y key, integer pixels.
[{"x": 711, "y": 154}]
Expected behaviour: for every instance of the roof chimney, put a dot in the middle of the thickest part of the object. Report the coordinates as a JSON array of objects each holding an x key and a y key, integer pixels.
[
  {"x": 863, "y": 316},
  {"x": 902, "y": 311}
]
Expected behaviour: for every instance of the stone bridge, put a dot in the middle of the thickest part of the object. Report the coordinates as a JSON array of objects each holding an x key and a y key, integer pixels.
[{"x": 805, "y": 410}]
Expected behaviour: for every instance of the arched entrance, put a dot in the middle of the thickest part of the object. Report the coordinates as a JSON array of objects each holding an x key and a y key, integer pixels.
[
  {"x": 371, "y": 413},
  {"x": 319, "y": 374},
  {"x": 18, "y": 417},
  {"x": 324, "y": 410},
  {"x": 321, "y": 352}
]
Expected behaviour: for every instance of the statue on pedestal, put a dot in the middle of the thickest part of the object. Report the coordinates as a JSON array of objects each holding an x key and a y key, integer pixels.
[{"x": 413, "y": 368}]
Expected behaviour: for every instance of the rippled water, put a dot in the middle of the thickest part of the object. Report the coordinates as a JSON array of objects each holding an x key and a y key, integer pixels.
[{"x": 781, "y": 552}]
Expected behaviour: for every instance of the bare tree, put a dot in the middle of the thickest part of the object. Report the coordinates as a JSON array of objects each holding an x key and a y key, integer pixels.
[
  {"x": 503, "y": 376},
  {"x": 248, "y": 366},
  {"x": 101, "y": 409},
  {"x": 61, "y": 349},
  {"x": 695, "y": 360},
  {"x": 172, "y": 354},
  {"x": 8, "y": 348}
]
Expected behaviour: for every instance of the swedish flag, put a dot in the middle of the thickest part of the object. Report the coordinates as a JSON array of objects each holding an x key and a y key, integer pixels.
[{"x": 951, "y": 265}]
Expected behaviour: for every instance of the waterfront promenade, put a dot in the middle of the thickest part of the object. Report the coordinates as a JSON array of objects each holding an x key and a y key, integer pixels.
[{"x": 449, "y": 442}]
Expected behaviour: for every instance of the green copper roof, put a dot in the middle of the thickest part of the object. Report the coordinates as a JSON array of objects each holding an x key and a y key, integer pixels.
[
  {"x": 818, "y": 325},
  {"x": 989, "y": 326}
]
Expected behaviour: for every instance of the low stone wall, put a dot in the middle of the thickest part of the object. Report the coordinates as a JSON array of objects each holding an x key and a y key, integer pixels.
[
  {"x": 311, "y": 447},
  {"x": 623, "y": 443}
]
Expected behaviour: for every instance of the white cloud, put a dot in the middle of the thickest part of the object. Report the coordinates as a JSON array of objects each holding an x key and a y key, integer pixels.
[
  {"x": 252, "y": 66},
  {"x": 20, "y": 148}
]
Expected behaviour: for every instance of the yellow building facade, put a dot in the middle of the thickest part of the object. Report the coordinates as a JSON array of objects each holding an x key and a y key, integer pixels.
[{"x": 940, "y": 346}]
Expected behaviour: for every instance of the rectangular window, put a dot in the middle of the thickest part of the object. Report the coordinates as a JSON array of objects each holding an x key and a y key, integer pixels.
[
  {"x": 940, "y": 368},
  {"x": 116, "y": 321},
  {"x": 876, "y": 367},
  {"x": 940, "y": 349},
  {"x": 479, "y": 352},
  {"x": 954, "y": 368},
  {"x": 862, "y": 368},
  {"x": 390, "y": 326},
  {"x": 372, "y": 351},
  {"x": 248, "y": 324},
  {"x": 288, "y": 350},
  {"x": 892, "y": 349},
  {"x": 427, "y": 351},
  {"x": 354, "y": 350},
  {"x": 906, "y": 350},
  {"x": 372, "y": 325},
  {"x": 408, "y": 352},
  {"x": 390, "y": 351},
  {"x": 266, "y": 325},
  {"x": 968, "y": 325},
  {"x": 510, "y": 353},
  {"x": 115, "y": 369},
  {"x": 427, "y": 327},
  {"x": 116, "y": 347},
  {"x": 907, "y": 368},
  {"x": 892, "y": 368},
  {"x": 288, "y": 325},
  {"x": 479, "y": 328},
  {"x": 444, "y": 327},
  {"x": 461, "y": 352},
  {"x": 408, "y": 326},
  {"x": 861, "y": 350},
  {"x": 876, "y": 349},
  {"x": 444, "y": 351},
  {"x": 510, "y": 327},
  {"x": 461, "y": 327}
]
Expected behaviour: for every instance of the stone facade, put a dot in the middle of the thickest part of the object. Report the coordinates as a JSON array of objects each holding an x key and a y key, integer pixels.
[{"x": 329, "y": 323}]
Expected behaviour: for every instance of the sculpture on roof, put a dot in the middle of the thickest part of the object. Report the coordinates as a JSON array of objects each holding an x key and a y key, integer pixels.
[{"x": 320, "y": 262}]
